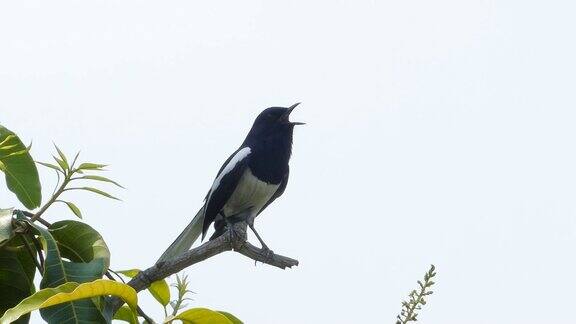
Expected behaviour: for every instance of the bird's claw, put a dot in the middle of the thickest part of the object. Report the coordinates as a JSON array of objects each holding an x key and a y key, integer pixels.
[
  {"x": 269, "y": 254},
  {"x": 233, "y": 234}
]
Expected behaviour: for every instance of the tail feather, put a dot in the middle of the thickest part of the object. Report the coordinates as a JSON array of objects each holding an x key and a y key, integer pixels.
[{"x": 185, "y": 240}]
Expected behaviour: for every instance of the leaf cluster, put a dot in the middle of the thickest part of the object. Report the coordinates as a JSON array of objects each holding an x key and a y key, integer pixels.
[{"x": 71, "y": 257}]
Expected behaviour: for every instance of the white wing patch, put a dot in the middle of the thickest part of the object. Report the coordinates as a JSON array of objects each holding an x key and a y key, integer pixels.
[{"x": 239, "y": 156}]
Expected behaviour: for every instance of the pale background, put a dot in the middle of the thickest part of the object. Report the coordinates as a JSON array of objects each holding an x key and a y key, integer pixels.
[{"x": 438, "y": 132}]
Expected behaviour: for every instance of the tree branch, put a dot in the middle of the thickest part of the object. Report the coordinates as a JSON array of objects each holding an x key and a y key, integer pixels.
[
  {"x": 233, "y": 239},
  {"x": 40, "y": 220}
]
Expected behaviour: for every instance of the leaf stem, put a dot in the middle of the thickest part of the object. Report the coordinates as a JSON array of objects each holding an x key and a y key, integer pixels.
[
  {"x": 39, "y": 249},
  {"x": 52, "y": 199},
  {"x": 32, "y": 254}
]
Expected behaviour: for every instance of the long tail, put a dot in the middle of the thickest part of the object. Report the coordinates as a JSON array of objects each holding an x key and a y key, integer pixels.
[{"x": 185, "y": 240}]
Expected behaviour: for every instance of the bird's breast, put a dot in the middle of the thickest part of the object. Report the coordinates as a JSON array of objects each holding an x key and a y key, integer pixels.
[{"x": 250, "y": 192}]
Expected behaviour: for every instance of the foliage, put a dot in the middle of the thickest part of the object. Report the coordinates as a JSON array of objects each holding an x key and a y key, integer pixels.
[
  {"x": 71, "y": 257},
  {"x": 67, "y": 293},
  {"x": 58, "y": 271},
  {"x": 181, "y": 286},
  {"x": 416, "y": 301},
  {"x": 201, "y": 316},
  {"x": 17, "y": 270},
  {"x": 195, "y": 315},
  {"x": 126, "y": 314},
  {"x": 158, "y": 289},
  {"x": 18, "y": 166}
]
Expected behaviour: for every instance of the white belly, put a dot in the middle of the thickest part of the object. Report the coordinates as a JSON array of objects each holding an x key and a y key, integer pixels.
[{"x": 251, "y": 193}]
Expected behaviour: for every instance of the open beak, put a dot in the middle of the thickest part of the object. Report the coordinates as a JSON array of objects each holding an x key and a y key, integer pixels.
[{"x": 287, "y": 114}]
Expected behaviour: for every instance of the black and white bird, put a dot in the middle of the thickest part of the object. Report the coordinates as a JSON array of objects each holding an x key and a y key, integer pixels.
[{"x": 250, "y": 180}]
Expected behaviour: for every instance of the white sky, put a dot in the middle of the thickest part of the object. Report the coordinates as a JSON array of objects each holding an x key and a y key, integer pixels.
[{"x": 438, "y": 132}]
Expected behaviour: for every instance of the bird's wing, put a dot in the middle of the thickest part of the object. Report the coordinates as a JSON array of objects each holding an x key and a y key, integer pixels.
[
  {"x": 279, "y": 191},
  {"x": 224, "y": 185},
  {"x": 221, "y": 169}
]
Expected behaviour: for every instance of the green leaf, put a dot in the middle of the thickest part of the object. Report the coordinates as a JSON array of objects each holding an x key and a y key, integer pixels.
[
  {"x": 98, "y": 191},
  {"x": 158, "y": 289},
  {"x": 57, "y": 272},
  {"x": 65, "y": 165},
  {"x": 73, "y": 208},
  {"x": 69, "y": 292},
  {"x": 232, "y": 318},
  {"x": 17, "y": 271},
  {"x": 201, "y": 316},
  {"x": 99, "y": 178},
  {"x": 49, "y": 165},
  {"x": 6, "y": 230},
  {"x": 79, "y": 242},
  {"x": 91, "y": 166},
  {"x": 125, "y": 314},
  {"x": 20, "y": 169},
  {"x": 75, "y": 159}
]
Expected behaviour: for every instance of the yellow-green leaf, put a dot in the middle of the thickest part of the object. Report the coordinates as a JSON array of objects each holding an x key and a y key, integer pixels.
[
  {"x": 99, "y": 178},
  {"x": 63, "y": 157},
  {"x": 94, "y": 190},
  {"x": 125, "y": 314},
  {"x": 73, "y": 208},
  {"x": 75, "y": 158},
  {"x": 71, "y": 291},
  {"x": 232, "y": 318},
  {"x": 91, "y": 166},
  {"x": 158, "y": 289},
  {"x": 130, "y": 273},
  {"x": 49, "y": 165},
  {"x": 201, "y": 316},
  {"x": 61, "y": 163}
]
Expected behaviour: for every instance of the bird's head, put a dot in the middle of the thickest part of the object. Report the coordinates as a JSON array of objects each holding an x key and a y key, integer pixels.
[{"x": 274, "y": 121}]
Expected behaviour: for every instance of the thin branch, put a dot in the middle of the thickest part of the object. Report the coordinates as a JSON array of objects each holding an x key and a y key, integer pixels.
[
  {"x": 117, "y": 275},
  {"x": 52, "y": 199},
  {"x": 30, "y": 215},
  {"x": 234, "y": 239}
]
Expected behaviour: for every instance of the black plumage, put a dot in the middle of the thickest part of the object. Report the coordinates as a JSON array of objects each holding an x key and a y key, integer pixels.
[{"x": 249, "y": 180}]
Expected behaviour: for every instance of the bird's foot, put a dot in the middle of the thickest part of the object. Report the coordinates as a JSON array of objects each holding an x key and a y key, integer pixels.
[
  {"x": 233, "y": 234},
  {"x": 236, "y": 236},
  {"x": 268, "y": 254}
]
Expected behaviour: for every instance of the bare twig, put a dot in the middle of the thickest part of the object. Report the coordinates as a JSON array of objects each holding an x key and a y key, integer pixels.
[{"x": 234, "y": 239}]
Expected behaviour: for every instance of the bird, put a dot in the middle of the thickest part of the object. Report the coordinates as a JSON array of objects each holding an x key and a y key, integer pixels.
[{"x": 253, "y": 177}]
